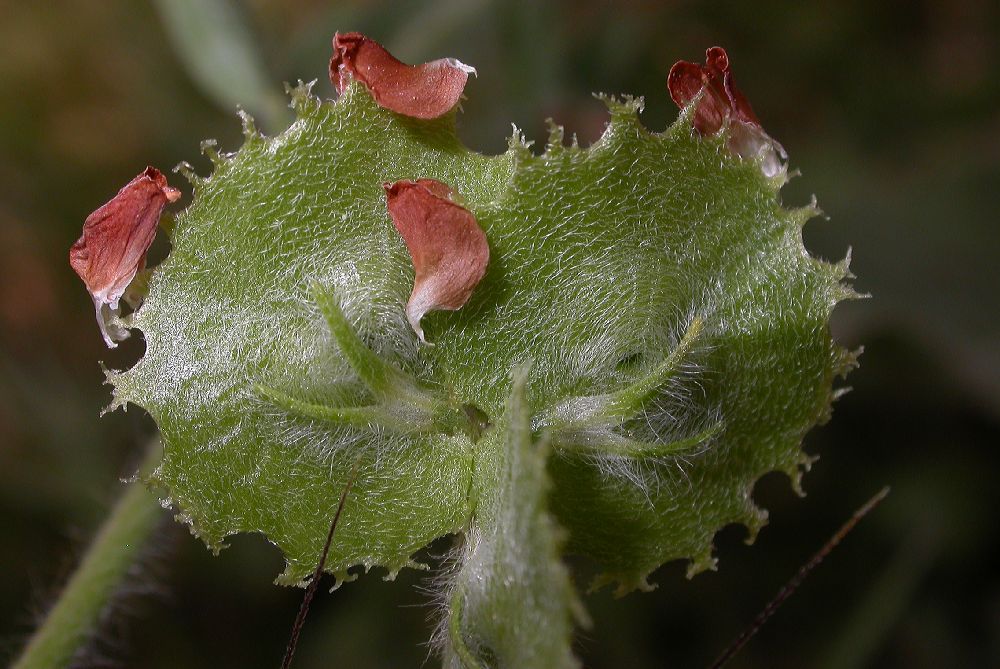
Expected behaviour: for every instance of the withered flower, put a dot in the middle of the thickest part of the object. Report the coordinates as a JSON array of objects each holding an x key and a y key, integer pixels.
[
  {"x": 448, "y": 248},
  {"x": 722, "y": 103},
  {"x": 113, "y": 246},
  {"x": 422, "y": 91}
]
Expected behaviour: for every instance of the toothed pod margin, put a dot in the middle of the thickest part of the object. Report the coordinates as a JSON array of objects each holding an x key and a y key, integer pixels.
[{"x": 600, "y": 261}]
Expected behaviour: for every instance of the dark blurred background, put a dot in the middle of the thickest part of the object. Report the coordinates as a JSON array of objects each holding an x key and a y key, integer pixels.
[{"x": 890, "y": 110}]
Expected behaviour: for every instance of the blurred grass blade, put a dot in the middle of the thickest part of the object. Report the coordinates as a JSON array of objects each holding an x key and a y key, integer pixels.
[
  {"x": 217, "y": 48},
  {"x": 868, "y": 628}
]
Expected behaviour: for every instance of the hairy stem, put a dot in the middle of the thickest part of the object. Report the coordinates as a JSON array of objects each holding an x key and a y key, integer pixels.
[
  {"x": 105, "y": 565},
  {"x": 462, "y": 651}
]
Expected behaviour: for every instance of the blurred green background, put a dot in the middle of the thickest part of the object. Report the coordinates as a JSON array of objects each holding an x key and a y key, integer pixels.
[{"x": 890, "y": 109}]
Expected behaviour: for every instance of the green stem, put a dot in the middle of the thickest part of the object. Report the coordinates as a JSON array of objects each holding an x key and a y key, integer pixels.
[
  {"x": 464, "y": 653},
  {"x": 107, "y": 561}
]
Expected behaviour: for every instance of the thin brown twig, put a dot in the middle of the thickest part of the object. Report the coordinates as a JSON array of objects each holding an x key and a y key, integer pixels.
[
  {"x": 300, "y": 619},
  {"x": 789, "y": 588}
]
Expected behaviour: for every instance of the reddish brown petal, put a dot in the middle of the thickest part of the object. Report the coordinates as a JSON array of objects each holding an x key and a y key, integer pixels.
[
  {"x": 685, "y": 81},
  {"x": 447, "y": 246},
  {"x": 722, "y": 100},
  {"x": 421, "y": 91},
  {"x": 717, "y": 62},
  {"x": 114, "y": 243}
]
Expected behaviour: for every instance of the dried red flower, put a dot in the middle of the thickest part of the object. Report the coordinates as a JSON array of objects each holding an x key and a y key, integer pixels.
[
  {"x": 720, "y": 103},
  {"x": 448, "y": 248},
  {"x": 422, "y": 91},
  {"x": 113, "y": 246}
]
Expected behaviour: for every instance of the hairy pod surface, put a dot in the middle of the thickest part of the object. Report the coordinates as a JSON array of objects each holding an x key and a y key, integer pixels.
[{"x": 675, "y": 327}]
